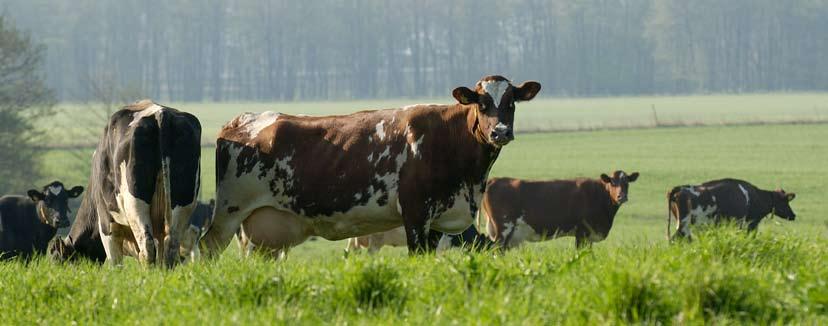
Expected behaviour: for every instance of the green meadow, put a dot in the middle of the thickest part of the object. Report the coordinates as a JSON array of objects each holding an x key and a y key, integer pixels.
[{"x": 777, "y": 276}]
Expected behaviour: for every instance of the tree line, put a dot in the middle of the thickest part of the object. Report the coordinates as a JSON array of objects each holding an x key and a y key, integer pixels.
[{"x": 227, "y": 50}]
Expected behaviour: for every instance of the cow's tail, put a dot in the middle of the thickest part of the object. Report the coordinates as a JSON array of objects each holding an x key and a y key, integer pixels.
[
  {"x": 671, "y": 198},
  {"x": 165, "y": 148}
]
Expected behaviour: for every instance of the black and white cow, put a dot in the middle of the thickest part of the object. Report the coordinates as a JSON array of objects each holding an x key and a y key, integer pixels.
[
  {"x": 84, "y": 240},
  {"x": 725, "y": 199},
  {"x": 144, "y": 183},
  {"x": 27, "y": 224}
]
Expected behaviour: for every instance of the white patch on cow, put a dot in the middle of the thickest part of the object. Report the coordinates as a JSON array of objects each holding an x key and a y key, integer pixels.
[
  {"x": 56, "y": 189},
  {"x": 495, "y": 89},
  {"x": 254, "y": 123},
  {"x": 522, "y": 232},
  {"x": 745, "y": 192},
  {"x": 380, "y": 130},
  {"x": 138, "y": 115},
  {"x": 415, "y": 146},
  {"x": 384, "y": 154},
  {"x": 693, "y": 191},
  {"x": 357, "y": 196},
  {"x": 501, "y": 126},
  {"x": 698, "y": 215},
  {"x": 621, "y": 175},
  {"x": 444, "y": 244},
  {"x": 399, "y": 207},
  {"x": 371, "y": 157},
  {"x": 135, "y": 213},
  {"x": 507, "y": 228}
]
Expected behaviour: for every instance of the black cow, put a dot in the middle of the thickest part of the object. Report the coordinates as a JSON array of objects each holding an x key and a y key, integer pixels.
[
  {"x": 27, "y": 224},
  {"x": 144, "y": 184},
  {"x": 84, "y": 241},
  {"x": 725, "y": 199}
]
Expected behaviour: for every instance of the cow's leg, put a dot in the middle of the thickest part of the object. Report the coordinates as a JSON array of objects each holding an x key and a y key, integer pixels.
[
  {"x": 415, "y": 235},
  {"x": 112, "y": 244},
  {"x": 582, "y": 241},
  {"x": 137, "y": 213},
  {"x": 177, "y": 226},
  {"x": 221, "y": 231}
]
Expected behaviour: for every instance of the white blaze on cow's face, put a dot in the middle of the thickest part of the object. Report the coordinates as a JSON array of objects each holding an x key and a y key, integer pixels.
[
  {"x": 495, "y": 98},
  {"x": 53, "y": 203}
]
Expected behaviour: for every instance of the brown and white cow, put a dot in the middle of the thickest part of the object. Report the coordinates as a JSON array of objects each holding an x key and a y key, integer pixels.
[
  {"x": 523, "y": 210},
  {"x": 725, "y": 199},
  {"x": 284, "y": 178}
]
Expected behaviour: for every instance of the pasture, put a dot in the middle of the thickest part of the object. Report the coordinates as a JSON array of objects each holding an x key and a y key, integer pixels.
[{"x": 632, "y": 276}]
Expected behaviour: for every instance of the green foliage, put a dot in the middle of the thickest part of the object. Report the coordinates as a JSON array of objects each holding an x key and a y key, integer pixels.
[
  {"x": 212, "y": 50},
  {"x": 23, "y": 98}
]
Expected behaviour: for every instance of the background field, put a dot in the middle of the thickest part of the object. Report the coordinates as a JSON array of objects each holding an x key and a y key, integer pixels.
[
  {"x": 632, "y": 276},
  {"x": 74, "y": 124}
]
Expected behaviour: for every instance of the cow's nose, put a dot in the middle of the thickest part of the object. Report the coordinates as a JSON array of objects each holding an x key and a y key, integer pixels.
[{"x": 502, "y": 134}]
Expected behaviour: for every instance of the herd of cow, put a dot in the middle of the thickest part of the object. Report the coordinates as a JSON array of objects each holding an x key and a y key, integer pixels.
[{"x": 415, "y": 176}]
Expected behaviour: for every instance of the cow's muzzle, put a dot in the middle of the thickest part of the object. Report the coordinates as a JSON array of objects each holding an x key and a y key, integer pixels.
[{"x": 502, "y": 136}]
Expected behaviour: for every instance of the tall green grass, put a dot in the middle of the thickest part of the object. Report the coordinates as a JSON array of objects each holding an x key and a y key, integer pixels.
[{"x": 725, "y": 276}]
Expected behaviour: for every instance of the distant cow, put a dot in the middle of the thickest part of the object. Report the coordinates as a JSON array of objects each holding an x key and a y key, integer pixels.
[
  {"x": 144, "y": 183},
  {"x": 725, "y": 199},
  {"x": 522, "y": 210},
  {"x": 84, "y": 241},
  {"x": 27, "y": 224},
  {"x": 287, "y": 178},
  {"x": 374, "y": 242}
]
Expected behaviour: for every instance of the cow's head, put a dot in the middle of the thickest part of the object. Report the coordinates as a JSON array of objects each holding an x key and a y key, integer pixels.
[
  {"x": 495, "y": 97},
  {"x": 53, "y": 203},
  {"x": 59, "y": 250},
  {"x": 618, "y": 184},
  {"x": 782, "y": 204}
]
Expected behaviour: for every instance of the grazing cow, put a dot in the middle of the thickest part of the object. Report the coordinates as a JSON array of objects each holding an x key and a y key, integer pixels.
[
  {"x": 27, "y": 224},
  {"x": 522, "y": 210},
  {"x": 424, "y": 167},
  {"x": 84, "y": 241},
  {"x": 725, "y": 199},
  {"x": 144, "y": 182}
]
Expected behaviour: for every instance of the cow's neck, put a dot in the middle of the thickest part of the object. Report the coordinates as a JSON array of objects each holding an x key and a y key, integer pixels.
[
  {"x": 761, "y": 208},
  {"x": 483, "y": 154}
]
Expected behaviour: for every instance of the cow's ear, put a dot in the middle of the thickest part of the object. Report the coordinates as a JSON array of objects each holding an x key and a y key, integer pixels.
[
  {"x": 632, "y": 177},
  {"x": 790, "y": 196},
  {"x": 464, "y": 95},
  {"x": 35, "y": 195},
  {"x": 527, "y": 91},
  {"x": 75, "y": 192},
  {"x": 605, "y": 178}
]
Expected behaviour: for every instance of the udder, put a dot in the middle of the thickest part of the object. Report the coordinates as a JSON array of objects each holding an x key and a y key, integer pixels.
[{"x": 269, "y": 228}]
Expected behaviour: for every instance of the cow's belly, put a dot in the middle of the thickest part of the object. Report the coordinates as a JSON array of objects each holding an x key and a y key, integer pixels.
[{"x": 357, "y": 221}]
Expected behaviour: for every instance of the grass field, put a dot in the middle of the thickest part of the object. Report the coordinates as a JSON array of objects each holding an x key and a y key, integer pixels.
[
  {"x": 73, "y": 124},
  {"x": 634, "y": 276}
]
